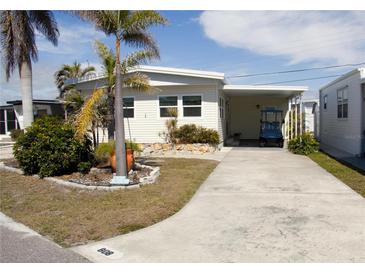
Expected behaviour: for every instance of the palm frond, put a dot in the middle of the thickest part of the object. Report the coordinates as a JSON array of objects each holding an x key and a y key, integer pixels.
[
  {"x": 87, "y": 113},
  {"x": 7, "y": 40},
  {"x": 144, "y": 19},
  {"x": 45, "y": 23},
  {"x": 138, "y": 81},
  {"x": 17, "y": 39},
  {"x": 104, "y": 20},
  {"x": 87, "y": 71},
  {"x": 68, "y": 72},
  {"x": 108, "y": 60},
  {"x": 137, "y": 58},
  {"x": 140, "y": 39}
]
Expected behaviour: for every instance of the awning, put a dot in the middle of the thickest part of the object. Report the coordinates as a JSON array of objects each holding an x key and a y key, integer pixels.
[{"x": 272, "y": 91}]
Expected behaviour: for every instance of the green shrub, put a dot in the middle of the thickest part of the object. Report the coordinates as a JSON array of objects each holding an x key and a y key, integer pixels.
[
  {"x": 104, "y": 150},
  {"x": 133, "y": 145},
  {"x": 84, "y": 167},
  {"x": 15, "y": 133},
  {"x": 49, "y": 148},
  {"x": 191, "y": 133},
  {"x": 304, "y": 144}
]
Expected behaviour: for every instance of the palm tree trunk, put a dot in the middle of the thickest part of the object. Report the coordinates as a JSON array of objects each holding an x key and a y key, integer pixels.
[
  {"x": 120, "y": 153},
  {"x": 111, "y": 118},
  {"x": 27, "y": 94}
]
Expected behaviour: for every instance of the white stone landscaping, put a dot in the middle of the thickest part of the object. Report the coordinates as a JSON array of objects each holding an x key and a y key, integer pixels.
[{"x": 151, "y": 178}]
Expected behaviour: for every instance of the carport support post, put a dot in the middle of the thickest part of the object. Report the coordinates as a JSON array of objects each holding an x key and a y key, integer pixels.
[
  {"x": 291, "y": 119},
  {"x": 296, "y": 117},
  {"x": 300, "y": 116}
]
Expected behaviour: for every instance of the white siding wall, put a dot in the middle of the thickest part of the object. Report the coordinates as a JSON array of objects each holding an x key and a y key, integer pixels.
[
  {"x": 344, "y": 133},
  {"x": 147, "y": 124},
  {"x": 245, "y": 116},
  {"x": 309, "y": 116},
  {"x": 222, "y": 121}
]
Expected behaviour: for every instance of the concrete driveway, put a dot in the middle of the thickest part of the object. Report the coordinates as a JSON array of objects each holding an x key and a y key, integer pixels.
[
  {"x": 20, "y": 244},
  {"x": 259, "y": 205}
]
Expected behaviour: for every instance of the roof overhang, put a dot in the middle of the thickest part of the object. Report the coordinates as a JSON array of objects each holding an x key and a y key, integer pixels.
[
  {"x": 158, "y": 70},
  {"x": 272, "y": 91},
  {"x": 178, "y": 71},
  {"x": 39, "y": 102},
  {"x": 361, "y": 71}
]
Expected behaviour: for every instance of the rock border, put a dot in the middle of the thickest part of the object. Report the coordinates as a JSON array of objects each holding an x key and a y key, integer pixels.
[
  {"x": 156, "y": 149},
  {"x": 151, "y": 179}
]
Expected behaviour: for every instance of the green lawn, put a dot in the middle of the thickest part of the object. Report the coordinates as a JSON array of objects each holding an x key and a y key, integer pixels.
[
  {"x": 71, "y": 216},
  {"x": 348, "y": 175}
]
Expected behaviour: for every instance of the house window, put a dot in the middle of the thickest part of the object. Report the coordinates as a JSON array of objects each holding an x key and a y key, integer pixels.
[
  {"x": 342, "y": 103},
  {"x": 325, "y": 99},
  {"x": 128, "y": 107},
  {"x": 167, "y": 103},
  {"x": 221, "y": 107},
  {"x": 8, "y": 121},
  {"x": 192, "y": 106},
  {"x": 2, "y": 121}
]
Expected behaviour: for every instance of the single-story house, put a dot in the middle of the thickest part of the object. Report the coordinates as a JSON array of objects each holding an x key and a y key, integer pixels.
[
  {"x": 310, "y": 115},
  {"x": 11, "y": 115},
  {"x": 200, "y": 97},
  {"x": 342, "y": 114}
]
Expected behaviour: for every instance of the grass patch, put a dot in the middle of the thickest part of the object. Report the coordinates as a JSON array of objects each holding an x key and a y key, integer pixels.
[
  {"x": 351, "y": 177},
  {"x": 72, "y": 216}
]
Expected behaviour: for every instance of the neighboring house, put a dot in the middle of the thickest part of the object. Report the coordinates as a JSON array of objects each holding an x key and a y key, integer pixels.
[
  {"x": 342, "y": 114},
  {"x": 201, "y": 97},
  {"x": 316, "y": 120},
  {"x": 309, "y": 111},
  {"x": 11, "y": 115}
]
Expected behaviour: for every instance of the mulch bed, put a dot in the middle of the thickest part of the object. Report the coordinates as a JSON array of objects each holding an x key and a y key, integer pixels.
[{"x": 93, "y": 179}]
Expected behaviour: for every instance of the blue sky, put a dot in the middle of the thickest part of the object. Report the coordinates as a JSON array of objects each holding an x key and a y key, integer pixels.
[{"x": 230, "y": 42}]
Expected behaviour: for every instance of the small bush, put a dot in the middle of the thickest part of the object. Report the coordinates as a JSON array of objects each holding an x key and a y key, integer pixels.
[
  {"x": 49, "y": 148},
  {"x": 304, "y": 144},
  {"x": 171, "y": 126},
  {"x": 84, "y": 167},
  {"x": 104, "y": 150},
  {"x": 133, "y": 145},
  {"x": 15, "y": 133},
  {"x": 191, "y": 133}
]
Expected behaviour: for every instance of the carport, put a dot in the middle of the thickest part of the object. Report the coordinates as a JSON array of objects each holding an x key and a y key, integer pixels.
[{"x": 243, "y": 106}]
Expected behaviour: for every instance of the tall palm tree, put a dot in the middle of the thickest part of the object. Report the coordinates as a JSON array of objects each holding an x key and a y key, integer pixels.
[
  {"x": 130, "y": 28},
  {"x": 108, "y": 60},
  {"x": 19, "y": 49},
  {"x": 100, "y": 103},
  {"x": 136, "y": 80},
  {"x": 69, "y": 72}
]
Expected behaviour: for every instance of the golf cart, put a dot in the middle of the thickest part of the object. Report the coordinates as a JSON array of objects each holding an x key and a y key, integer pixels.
[{"x": 270, "y": 127}]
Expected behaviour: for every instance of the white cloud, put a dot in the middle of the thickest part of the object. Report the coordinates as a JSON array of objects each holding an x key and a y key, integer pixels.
[
  {"x": 72, "y": 40},
  {"x": 300, "y": 36}
]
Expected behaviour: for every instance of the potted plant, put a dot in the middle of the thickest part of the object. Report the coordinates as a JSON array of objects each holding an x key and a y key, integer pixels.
[
  {"x": 105, "y": 154},
  {"x": 130, "y": 148}
]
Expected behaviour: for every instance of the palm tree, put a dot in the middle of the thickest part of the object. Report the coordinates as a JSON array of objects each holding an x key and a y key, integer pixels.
[
  {"x": 137, "y": 80},
  {"x": 108, "y": 60},
  {"x": 69, "y": 72},
  {"x": 18, "y": 45},
  {"x": 130, "y": 28},
  {"x": 100, "y": 103}
]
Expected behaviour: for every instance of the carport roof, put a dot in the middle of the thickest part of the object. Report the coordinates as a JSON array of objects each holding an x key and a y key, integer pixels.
[{"x": 253, "y": 90}]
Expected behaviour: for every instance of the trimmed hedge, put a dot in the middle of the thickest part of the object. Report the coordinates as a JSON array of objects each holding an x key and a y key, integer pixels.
[
  {"x": 191, "y": 134},
  {"x": 49, "y": 148}
]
